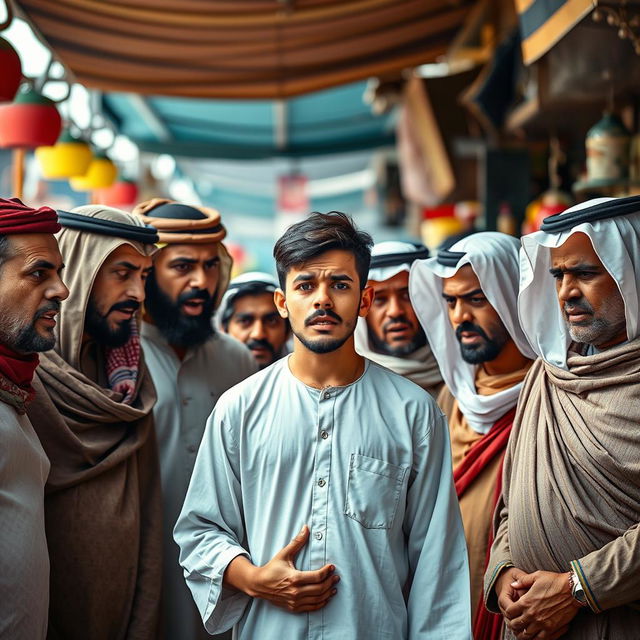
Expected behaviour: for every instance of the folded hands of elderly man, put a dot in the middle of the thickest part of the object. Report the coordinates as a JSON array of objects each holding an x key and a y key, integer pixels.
[{"x": 536, "y": 605}]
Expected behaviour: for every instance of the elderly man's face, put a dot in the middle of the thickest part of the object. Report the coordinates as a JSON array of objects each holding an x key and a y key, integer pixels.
[
  {"x": 589, "y": 297},
  {"x": 30, "y": 292},
  {"x": 392, "y": 323}
]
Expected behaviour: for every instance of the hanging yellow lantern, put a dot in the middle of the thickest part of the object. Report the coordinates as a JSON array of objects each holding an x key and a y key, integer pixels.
[
  {"x": 69, "y": 157},
  {"x": 101, "y": 173}
]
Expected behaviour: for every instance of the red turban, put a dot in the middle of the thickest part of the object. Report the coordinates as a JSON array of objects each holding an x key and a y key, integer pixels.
[{"x": 16, "y": 217}]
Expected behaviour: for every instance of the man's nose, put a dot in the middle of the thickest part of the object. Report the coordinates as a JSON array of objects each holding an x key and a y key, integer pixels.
[
  {"x": 323, "y": 298},
  {"x": 198, "y": 278},
  {"x": 569, "y": 289},
  {"x": 257, "y": 330},
  {"x": 461, "y": 313}
]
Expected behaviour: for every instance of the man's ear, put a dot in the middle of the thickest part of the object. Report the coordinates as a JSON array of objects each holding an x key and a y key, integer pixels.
[
  {"x": 366, "y": 300},
  {"x": 281, "y": 303}
]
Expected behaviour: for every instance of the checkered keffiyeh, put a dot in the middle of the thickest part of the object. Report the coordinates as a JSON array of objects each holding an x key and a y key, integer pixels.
[{"x": 123, "y": 364}]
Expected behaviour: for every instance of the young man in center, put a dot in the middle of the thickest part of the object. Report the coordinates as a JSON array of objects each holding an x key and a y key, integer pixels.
[{"x": 321, "y": 504}]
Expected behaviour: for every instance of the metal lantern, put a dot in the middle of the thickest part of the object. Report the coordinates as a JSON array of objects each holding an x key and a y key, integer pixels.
[
  {"x": 30, "y": 121},
  {"x": 102, "y": 173},
  {"x": 607, "y": 152},
  {"x": 11, "y": 71},
  {"x": 69, "y": 157}
]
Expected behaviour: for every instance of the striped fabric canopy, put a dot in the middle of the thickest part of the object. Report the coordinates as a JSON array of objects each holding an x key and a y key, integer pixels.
[
  {"x": 544, "y": 22},
  {"x": 241, "y": 48}
]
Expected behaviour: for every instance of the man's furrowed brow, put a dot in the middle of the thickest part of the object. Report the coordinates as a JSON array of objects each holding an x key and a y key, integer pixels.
[
  {"x": 341, "y": 276},
  {"x": 128, "y": 265},
  {"x": 183, "y": 259},
  {"x": 577, "y": 268},
  {"x": 470, "y": 294},
  {"x": 44, "y": 264},
  {"x": 304, "y": 277}
]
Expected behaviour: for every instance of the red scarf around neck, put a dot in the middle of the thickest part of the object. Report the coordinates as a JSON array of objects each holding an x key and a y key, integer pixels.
[{"x": 18, "y": 368}]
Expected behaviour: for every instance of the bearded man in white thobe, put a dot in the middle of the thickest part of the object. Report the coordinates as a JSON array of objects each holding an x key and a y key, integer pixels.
[
  {"x": 322, "y": 504},
  {"x": 391, "y": 334},
  {"x": 191, "y": 366}
]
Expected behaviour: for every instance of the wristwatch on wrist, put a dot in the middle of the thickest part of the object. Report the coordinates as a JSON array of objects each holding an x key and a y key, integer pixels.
[{"x": 576, "y": 589}]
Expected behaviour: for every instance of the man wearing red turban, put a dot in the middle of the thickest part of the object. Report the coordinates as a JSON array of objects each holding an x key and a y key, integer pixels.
[{"x": 30, "y": 295}]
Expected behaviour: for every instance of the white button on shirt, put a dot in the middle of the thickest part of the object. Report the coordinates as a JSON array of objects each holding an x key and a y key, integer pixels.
[{"x": 386, "y": 517}]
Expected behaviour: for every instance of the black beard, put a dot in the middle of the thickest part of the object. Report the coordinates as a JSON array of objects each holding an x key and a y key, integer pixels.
[
  {"x": 419, "y": 340},
  {"x": 97, "y": 325},
  {"x": 323, "y": 345},
  {"x": 484, "y": 352},
  {"x": 29, "y": 340},
  {"x": 179, "y": 329}
]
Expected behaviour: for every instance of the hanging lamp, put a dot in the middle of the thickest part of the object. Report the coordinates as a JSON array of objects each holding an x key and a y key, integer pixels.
[
  {"x": 101, "y": 173},
  {"x": 30, "y": 121},
  {"x": 69, "y": 157},
  {"x": 11, "y": 71}
]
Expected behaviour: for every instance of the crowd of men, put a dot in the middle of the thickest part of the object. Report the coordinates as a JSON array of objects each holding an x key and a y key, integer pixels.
[{"x": 378, "y": 443}]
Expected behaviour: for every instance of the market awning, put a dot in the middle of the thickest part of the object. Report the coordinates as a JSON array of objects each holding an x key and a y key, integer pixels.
[
  {"x": 242, "y": 49},
  {"x": 326, "y": 122}
]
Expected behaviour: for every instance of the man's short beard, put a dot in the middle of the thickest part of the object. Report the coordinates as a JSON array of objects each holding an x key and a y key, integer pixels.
[
  {"x": 601, "y": 329},
  {"x": 323, "y": 345},
  {"x": 97, "y": 326},
  {"x": 179, "y": 329},
  {"x": 485, "y": 351},
  {"x": 401, "y": 351},
  {"x": 26, "y": 339}
]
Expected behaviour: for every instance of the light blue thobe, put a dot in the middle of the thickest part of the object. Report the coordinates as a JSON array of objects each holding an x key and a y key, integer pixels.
[{"x": 368, "y": 468}]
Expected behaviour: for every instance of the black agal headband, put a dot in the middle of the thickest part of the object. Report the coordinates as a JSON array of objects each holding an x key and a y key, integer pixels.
[
  {"x": 100, "y": 226},
  {"x": 603, "y": 211},
  {"x": 392, "y": 259},
  {"x": 449, "y": 258}
]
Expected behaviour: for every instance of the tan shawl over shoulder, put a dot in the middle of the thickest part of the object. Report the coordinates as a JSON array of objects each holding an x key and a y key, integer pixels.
[
  {"x": 102, "y": 509},
  {"x": 572, "y": 486},
  {"x": 103, "y": 502}
]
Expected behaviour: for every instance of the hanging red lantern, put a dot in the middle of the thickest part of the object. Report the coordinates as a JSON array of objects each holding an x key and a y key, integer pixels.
[
  {"x": 11, "y": 71},
  {"x": 30, "y": 121},
  {"x": 121, "y": 193}
]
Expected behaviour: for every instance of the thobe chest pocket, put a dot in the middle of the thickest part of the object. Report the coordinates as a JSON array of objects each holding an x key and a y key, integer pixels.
[{"x": 373, "y": 491}]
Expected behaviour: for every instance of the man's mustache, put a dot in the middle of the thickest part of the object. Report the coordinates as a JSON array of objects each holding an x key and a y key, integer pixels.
[
  {"x": 52, "y": 305},
  {"x": 469, "y": 326},
  {"x": 395, "y": 321},
  {"x": 320, "y": 313},
  {"x": 581, "y": 305},
  {"x": 126, "y": 305},
  {"x": 261, "y": 344},
  {"x": 197, "y": 294}
]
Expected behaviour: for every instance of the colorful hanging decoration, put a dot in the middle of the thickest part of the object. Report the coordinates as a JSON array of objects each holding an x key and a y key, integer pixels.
[
  {"x": 102, "y": 173},
  {"x": 122, "y": 193},
  {"x": 30, "y": 121},
  {"x": 11, "y": 75},
  {"x": 69, "y": 157}
]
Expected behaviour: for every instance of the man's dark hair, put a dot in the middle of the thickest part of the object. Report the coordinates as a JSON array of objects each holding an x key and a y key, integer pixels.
[{"x": 317, "y": 234}]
